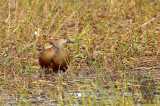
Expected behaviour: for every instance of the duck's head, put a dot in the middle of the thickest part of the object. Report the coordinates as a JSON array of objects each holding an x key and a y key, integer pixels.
[
  {"x": 63, "y": 41},
  {"x": 48, "y": 45}
]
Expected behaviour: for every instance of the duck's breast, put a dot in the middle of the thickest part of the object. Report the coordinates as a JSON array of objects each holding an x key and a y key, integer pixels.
[
  {"x": 45, "y": 58},
  {"x": 61, "y": 59}
]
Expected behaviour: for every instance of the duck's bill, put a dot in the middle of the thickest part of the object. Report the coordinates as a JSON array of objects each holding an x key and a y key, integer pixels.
[
  {"x": 54, "y": 47},
  {"x": 68, "y": 41}
]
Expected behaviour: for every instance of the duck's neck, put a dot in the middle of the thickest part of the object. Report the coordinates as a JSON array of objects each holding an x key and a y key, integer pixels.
[{"x": 60, "y": 45}]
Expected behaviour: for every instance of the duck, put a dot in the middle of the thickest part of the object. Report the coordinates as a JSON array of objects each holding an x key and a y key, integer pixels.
[
  {"x": 45, "y": 58},
  {"x": 61, "y": 59},
  {"x": 54, "y": 57}
]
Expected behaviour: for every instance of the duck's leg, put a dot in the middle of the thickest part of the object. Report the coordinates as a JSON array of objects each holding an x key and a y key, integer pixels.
[
  {"x": 47, "y": 71},
  {"x": 63, "y": 68}
]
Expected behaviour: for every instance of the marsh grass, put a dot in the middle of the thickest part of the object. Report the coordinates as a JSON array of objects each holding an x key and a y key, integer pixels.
[{"x": 116, "y": 49}]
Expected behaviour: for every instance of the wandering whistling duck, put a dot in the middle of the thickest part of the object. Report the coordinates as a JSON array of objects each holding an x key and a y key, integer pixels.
[
  {"x": 54, "y": 57},
  {"x": 61, "y": 59},
  {"x": 46, "y": 56}
]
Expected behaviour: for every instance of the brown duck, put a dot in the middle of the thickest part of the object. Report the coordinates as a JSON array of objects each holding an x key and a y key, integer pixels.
[
  {"x": 54, "y": 57},
  {"x": 46, "y": 56},
  {"x": 61, "y": 59}
]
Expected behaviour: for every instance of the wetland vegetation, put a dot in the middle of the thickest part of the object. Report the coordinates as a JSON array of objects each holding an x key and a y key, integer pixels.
[{"x": 115, "y": 59}]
